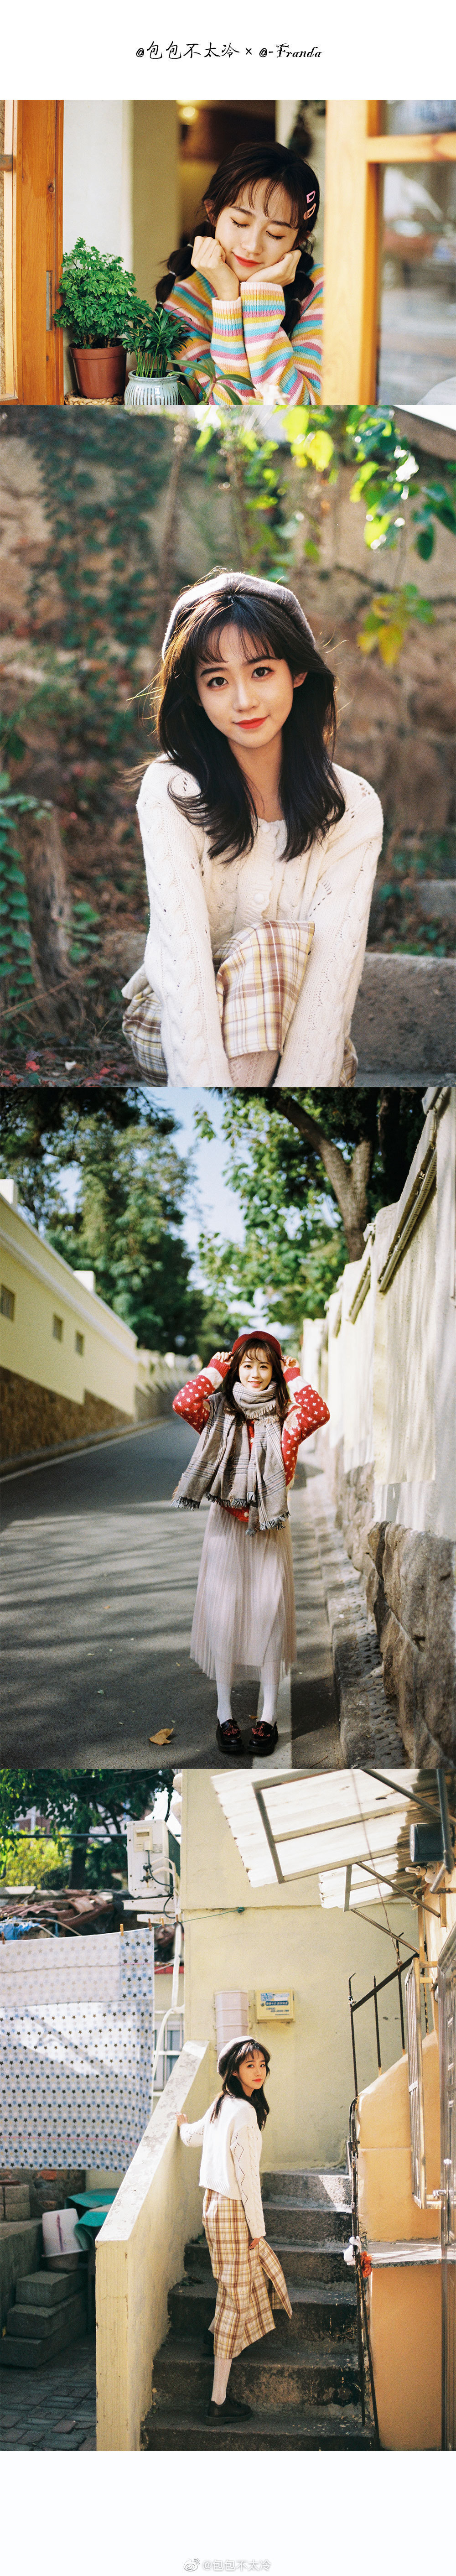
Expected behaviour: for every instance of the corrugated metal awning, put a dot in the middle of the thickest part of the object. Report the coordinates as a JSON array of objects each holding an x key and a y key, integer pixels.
[{"x": 350, "y": 1829}]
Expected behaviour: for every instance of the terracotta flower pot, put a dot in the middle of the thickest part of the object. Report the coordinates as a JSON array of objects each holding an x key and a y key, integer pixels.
[{"x": 100, "y": 373}]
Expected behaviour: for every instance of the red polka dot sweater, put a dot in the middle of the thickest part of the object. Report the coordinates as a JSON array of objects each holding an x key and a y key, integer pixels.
[{"x": 307, "y": 1410}]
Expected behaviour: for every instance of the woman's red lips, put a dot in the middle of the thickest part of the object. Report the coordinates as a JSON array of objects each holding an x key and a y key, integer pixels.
[{"x": 248, "y": 723}]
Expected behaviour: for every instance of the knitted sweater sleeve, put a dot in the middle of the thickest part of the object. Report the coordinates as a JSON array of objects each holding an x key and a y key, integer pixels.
[
  {"x": 308, "y": 1413},
  {"x": 238, "y": 350},
  {"x": 285, "y": 371},
  {"x": 244, "y": 2143},
  {"x": 193, "y": 2133},
  {"x": 314, "y": 1047},
  {"x": 191, "y": 303},
  {"x": 178, "y": 956},
  {"x": 193, "y": 1400}
]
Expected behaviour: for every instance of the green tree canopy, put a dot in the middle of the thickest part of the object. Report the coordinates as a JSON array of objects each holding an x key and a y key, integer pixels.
[
  {"x": 74, "y": 1801},
  {"x": 130, "y": 1191},
  {"x": 310, "y": 1170}
]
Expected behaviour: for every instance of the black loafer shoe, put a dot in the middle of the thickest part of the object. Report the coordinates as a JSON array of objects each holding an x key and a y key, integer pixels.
[
  {"x": 234, "y": 2409},
  {"x": 229, "y": 1739},
  {"x": 263, "y": 1737},
  {"x": 230, "y": 2413}
]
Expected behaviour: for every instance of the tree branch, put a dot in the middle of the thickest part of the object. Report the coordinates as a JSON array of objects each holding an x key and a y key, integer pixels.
[{"x": 349, "y": 1182}]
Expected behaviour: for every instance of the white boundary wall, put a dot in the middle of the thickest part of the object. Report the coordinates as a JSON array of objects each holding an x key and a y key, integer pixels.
[{"x": 139, "y": 2255}]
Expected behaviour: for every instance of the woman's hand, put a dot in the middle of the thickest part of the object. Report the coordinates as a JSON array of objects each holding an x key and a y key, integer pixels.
[
  {"x": 182, "y": 2121},
  {"x": 282, "y": 272},
  {"x": 209, "y": 258}
]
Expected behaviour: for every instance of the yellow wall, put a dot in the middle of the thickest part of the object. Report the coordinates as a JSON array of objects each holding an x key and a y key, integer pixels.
[
  {"x": 406, "y": 2333},
  {"x": 139, "y": 2255},
  {"x": 243, "y": 1937},
  {"x": 405, "y": 2301},
  {"x": 155, "y": 181},
  {"x": 44, "y": 1286}
]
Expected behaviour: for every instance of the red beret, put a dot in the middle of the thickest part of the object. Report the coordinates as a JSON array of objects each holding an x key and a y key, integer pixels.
[{"x": 258, "y": 1334}]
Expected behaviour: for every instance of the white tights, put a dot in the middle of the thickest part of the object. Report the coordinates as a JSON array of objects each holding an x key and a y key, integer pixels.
[
  {"x": 270, "y": 1678},
  {"x": 221, "y": 2377}
]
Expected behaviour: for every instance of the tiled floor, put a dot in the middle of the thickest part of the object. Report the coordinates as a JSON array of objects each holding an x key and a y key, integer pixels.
[{"x": 52, "y": 2409}]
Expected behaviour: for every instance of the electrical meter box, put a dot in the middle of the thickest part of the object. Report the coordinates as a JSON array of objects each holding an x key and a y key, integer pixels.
[{"x": 277, "y": 2005}]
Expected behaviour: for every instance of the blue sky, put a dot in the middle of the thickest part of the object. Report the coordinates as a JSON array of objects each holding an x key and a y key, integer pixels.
[{"x": 216, "y": 1208}]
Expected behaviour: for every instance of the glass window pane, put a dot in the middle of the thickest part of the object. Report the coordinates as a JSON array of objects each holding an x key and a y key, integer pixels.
[{"x": 417, "y": 266}]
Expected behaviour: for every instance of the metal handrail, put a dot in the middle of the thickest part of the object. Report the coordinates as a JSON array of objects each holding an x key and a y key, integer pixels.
[
  {"x": 361, "y": 2306},
  {"x": 356, "y": 2004}
]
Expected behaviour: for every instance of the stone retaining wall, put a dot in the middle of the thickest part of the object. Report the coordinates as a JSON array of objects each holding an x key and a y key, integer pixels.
[{"x": 411, "y": 1591}]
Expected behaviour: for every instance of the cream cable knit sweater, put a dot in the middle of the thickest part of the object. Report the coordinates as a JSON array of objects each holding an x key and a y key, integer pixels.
[
  {"x": 230, "y": 2162},
  {"x": 198, "y": 905}
]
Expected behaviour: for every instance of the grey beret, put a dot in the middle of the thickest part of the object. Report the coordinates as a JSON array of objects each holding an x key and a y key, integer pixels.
[
  {"x": 229, "y": 584},
  {"x": 245, "y": 2041}
]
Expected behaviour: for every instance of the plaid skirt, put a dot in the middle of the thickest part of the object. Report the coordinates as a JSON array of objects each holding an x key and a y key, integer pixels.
[
  {"x": 243, "y": 2308},
  {"x": 257, "y": 986}
]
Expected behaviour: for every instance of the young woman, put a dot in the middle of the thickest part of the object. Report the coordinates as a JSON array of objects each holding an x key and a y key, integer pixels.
[
  {"x": 252, "y": 1413},
  {"x": 260, "y": 855},
  {"x": 245, "y": 287},
  {"x": 230, "y": 2137}
]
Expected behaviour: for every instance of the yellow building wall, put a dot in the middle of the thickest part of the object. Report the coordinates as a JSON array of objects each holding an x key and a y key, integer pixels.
[
  {"x": 405, "y": 2301},
  {"x": 157, "y": 220},
  {"x": 43, "y": 1286},
  {"x": 242, "y": 1937}
]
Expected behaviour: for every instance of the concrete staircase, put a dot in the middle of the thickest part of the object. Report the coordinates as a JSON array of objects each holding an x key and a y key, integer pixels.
[
  {"x": 50, "y": 2311},
  {"x": 303, "y": 2381}
]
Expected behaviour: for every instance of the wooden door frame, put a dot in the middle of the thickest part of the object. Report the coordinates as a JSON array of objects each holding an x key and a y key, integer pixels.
[
  {"x": 33, "y": 198},
  {"x": 356, "y": 155}
]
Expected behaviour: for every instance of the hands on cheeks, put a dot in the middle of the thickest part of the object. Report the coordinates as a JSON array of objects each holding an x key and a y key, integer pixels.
[{"x": 208, "y": 257}]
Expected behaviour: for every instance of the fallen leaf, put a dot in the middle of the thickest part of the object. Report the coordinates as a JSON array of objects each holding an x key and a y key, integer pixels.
[{"x": 163, "y": 1737}]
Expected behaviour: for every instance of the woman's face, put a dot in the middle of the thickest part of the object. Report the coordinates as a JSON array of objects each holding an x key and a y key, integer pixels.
[
  {"x": 247, "y": 695},
  {"x": 255, "y": 1368},
  {"x": 251, "y": 238},
  {"x": 252, "y": 2071}
]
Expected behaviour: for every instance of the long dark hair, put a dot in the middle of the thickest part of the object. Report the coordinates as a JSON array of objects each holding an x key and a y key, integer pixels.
[
  {"x": 243, "y": 168},
  {"x": 232, "y": 2082},
  {"x": 310, "y": 796},
  {"x": 283, "y": 1396}
]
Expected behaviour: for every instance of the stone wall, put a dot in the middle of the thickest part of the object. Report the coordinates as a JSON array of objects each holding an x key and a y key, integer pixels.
[
  {"x": 35, "y": 1418},
  {"x": 384, "y": 1359},
  {"x": 410, "y": 1589}
]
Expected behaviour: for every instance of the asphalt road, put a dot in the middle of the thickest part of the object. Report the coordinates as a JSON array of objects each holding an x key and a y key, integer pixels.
[{"x": 98, "y": 1587}]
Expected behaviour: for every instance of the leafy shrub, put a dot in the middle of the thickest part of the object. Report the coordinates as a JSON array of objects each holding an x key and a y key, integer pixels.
[
  {"x": 97, "y": 298},
  {"x": 157, "y": 337}
]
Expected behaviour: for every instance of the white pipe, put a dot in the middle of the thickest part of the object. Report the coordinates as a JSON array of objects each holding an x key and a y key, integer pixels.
[{"x": 173, "y": 2008}]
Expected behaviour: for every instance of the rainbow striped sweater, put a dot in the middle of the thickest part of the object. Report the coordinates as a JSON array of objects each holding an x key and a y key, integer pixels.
[{"x": 240, "y": 352}]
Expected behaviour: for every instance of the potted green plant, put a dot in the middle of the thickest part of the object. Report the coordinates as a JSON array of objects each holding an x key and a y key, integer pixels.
[
  {"x": 157, "y": 337},
  {"x": 97, "y": 302}
]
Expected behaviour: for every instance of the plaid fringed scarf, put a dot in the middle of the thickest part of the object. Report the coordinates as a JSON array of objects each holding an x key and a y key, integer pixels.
[{"x": 228, "y": 1471}]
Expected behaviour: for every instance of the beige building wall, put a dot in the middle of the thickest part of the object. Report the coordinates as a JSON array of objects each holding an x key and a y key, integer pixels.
[
  {"x": 405, "y": 2299},
  {"x": 156, "y": 212},
  {"x": 53, "y": 1314},
  {"x": 97, "y": 174},
  {"x": 236, "y": 1937}
]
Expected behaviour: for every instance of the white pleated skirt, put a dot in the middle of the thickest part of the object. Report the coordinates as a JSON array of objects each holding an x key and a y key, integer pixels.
[{"x": 245, "y": 1603}]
